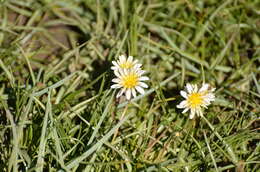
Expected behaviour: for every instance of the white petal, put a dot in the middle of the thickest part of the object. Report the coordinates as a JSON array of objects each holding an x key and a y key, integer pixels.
[
  {"x": 192, "y": 114},
  {"x": 124, "y": 71},
  {"x": 213, "y": 89},
  {"x": 128, "y": 94},
  {"x": 185, "y": 110},
  {"x": 189, "y": 88},
  {"x": 137, "y": 71},
  {"x": 116, "y": 80},
  {"x": 213, "y": 99},
  {"x": 114, "y": 68},
  {"x": 205, "y": 103},
  {"x": 137, "y": 66},
  {"x": 133, "y": 92},
  {"x": 140, "y": 72},
  {"x": 120, "y": 93},
  {"x": 116, "y": 72},
  {"x": 195, "y": 88},
  {"x": 116, "y": 86},
  {"x": 140, "y": 89},
  {"x": 143, "y": 78},
  {"x": 114, "y": 63},
  {"x": 204, "y": 87},
  {"x": 135, "y": 61},
  {"x": 205, "y": 106},
  {"x": 182, "y": 105},
  {"x": 130, "y": 59},
  {"x": 142, "y": 84},
  {"x": 199, "y": 111},
  {"x": 184, "y": 94},
  {"x": 210, "y": 96},
  {"x": 122, "y": 58},
  {"x": 208, "y": 101}
]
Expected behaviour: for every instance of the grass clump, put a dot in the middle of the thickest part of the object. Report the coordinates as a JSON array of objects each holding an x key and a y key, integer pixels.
[{"x": 57, "y": 111}]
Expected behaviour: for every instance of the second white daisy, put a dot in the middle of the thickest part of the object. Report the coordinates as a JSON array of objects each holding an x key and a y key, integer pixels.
[
  {"x": 129, "y": 81},
  {"x": 196, "y": 99},
  {"x": 125, "y": 63}
]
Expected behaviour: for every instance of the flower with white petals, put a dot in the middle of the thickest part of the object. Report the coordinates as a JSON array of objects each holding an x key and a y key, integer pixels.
[
  {"x": 129, "y": 81},
  {"x": 125, "y": 63},
  {"x": 196, "y": 99}
]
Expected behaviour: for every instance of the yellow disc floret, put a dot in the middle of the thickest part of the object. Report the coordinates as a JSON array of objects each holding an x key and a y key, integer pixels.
[
  {"x": 130, "y": 80},
  {"x": 126, "y": 65},
  {"x": 195, "y": 100}
]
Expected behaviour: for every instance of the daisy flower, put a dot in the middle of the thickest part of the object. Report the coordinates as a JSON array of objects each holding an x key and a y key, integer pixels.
[
  {"x": 125, "y": 63},
  {"x": 196, "y": 99},
  {"x": 129, "y": 81}
]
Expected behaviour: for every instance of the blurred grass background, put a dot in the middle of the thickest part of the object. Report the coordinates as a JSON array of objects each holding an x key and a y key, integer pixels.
[{"x": 57, "y": 112}]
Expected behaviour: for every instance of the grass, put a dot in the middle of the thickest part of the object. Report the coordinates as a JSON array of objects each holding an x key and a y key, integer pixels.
[{"x": 58, "y": 113}]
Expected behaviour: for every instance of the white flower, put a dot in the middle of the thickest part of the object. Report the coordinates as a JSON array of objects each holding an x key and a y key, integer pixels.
[
  {"x": 196, "y": 98},
  {"x": 130, "y": 81},
  {"x": 125, "y": 63}
]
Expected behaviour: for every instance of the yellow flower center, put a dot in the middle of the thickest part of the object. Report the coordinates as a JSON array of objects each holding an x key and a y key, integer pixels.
[
  {"x": 195, "y": 99},
  {"x": 130, "y": 80},
  {"x": 126, "y": 65}
]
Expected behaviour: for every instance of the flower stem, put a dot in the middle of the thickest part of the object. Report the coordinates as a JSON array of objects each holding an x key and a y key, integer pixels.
[{"x": 122, "y": 116}]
